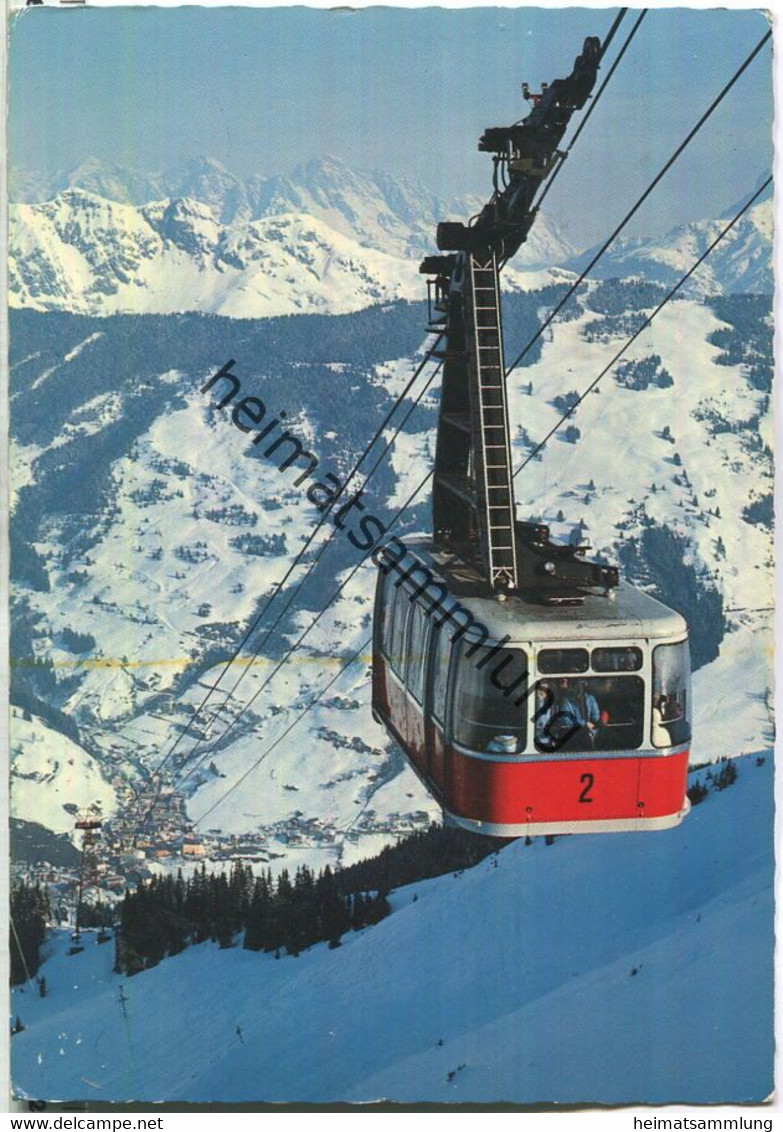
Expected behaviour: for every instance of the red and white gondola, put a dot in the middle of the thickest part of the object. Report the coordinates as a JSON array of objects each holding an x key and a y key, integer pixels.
[
  {"x": 528, "y": 719},
  {"x": 530, "y": 689}
]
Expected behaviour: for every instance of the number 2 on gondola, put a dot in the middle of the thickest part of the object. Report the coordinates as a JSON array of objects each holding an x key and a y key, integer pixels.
[{"x": 588, "y": 780}]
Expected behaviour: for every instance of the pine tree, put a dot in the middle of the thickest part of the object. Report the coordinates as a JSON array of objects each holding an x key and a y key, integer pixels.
[
  {"x": 727, "y": 776},
  {"x": 697, "y": 792},
  {"x": 29, "y": 913},
  {"x": 281, "y": 920},
  {"x": 258, "y": 916}
]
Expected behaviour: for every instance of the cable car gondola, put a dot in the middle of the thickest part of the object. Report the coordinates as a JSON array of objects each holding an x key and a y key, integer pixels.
[
  {"x": 530, "y": 689},
  {"x": 526, "y": 718}
]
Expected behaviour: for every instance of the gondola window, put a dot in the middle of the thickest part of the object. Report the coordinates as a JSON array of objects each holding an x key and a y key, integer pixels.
[
  {"x": 592, "y": 714},
  {"x": 671, "y": 698},
  {"x": 489, "y": 699}
]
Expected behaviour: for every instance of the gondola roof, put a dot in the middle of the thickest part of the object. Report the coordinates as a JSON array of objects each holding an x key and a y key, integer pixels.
[{"x": 626, "y": 613}]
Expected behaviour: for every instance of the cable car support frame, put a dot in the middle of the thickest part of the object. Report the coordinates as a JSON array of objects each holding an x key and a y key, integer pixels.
[{"x": 473, "y": 506}]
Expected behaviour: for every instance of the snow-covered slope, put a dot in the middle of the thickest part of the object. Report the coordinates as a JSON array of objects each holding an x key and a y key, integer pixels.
[
  {"x": 188, "y": 539},
  {"x": 740, "y": 680},
  {"x": 690, "y": 450},
  {"x": 50, "y": 772},
  {"x": 741, "y": 263},
  {"x": 324, "y": 238},
  {"x": 615, "y": 969},
  {"x": 82, "y": 253}
]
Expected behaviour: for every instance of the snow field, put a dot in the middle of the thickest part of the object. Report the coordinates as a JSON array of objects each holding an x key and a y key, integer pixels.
[{"x": 614, "y": 969}]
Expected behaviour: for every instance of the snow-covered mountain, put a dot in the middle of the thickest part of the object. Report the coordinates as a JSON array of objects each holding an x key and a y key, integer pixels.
[
  {"x": 102, "y": 239},
  {"x": 144, "y": 527},
  {"x": 741, "y": 263},
  {"x": 83, "y": 253},
  {"x": 145, "y": 538},
  {"x": 325, "y": 238},
  {"x": 378, "y": 210},
  {"x": 148, "y": 532},
  {"x": 633, "y": 968}
]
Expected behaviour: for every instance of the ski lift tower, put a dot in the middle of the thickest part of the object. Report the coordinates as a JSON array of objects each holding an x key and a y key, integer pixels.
[{"x": 89, "y": 825}]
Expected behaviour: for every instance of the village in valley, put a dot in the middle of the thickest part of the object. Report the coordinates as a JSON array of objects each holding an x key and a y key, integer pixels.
[{"x": 150, "y": 833}]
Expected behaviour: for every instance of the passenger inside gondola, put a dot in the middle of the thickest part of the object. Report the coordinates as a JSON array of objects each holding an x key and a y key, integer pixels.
[
  {"x": 671, "y": 695},
  {"x": 661, "y": 736},
  {"x": 581, "y": 709},
  {"x": 593, "y": 714}
]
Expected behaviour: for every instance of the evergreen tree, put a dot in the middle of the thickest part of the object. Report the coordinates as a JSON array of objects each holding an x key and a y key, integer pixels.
[
  {"x": 29, "y": 913},
  {"x": 727, "y": 776},
  {"x": 165, "y": 914},
  {"x": 257, "y": 932}
]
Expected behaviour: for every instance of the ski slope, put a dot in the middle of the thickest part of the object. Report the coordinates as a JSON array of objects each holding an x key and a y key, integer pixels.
[
  {"x": 615, "y": 969},
  {"x": 50, "y": 772}
]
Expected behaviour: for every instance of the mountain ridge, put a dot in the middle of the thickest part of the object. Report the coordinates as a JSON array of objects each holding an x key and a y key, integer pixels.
[
  {"x": 335, "y": 242},
  {"x": 324, "y": 238},
  {"x": 742, "y": 262}
]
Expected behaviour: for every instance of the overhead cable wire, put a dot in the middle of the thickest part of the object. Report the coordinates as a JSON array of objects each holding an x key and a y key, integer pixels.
[
  {"x": 604, "y": 47},
  {"x": 629, "y": 215},
  {"x": 629, "y": 38},
  {"x": 683, "y": 280},
  {"x": 623, "y": 12},
  {"x": 710, "y": 110},
  {"x": 643, "y": 327}
]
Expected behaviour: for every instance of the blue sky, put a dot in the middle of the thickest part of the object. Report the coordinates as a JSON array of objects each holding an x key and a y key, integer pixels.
[{"x": 403, "y": 90}]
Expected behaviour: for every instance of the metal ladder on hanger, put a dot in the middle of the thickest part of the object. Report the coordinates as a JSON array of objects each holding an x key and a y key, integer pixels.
[{"x": 492, "y": 448}]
